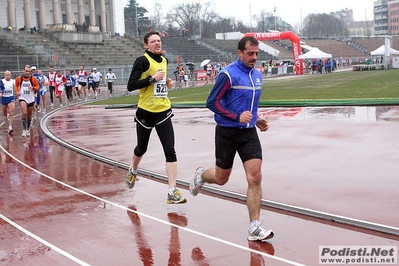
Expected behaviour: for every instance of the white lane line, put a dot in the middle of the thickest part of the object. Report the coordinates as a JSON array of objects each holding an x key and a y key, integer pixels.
[
  {"x": 153, "y": 218},
  {"x": 41, "y": 240}
]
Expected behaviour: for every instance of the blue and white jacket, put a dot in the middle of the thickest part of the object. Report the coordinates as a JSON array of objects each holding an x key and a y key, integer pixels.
[{"x": 237, "y": 89}]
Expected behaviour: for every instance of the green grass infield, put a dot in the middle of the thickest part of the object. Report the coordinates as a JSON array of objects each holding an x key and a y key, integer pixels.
[{"x": 337, "y": 88}]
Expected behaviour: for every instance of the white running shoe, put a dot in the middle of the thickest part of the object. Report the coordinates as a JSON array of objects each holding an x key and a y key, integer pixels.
[
  {"x": 260, "y": 234},
  {"x": 10, "y": 130},
  {"x": 24, "y": 134},
  {"x": 60, "y": 105},
  {"x": 194, "y": 185},
  {"x": 28, "y": 133}
]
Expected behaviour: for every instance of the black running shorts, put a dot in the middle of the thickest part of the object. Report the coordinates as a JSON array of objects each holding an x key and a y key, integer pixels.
[{"x": 229, "y": 140}]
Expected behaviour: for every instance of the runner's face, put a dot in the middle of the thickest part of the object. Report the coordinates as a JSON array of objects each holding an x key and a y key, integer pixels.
[
  {"x": 27, "y": 71},
  {"x": 7, "y": 75},
  {"x": 154, "y": 44},
  {"x": 249, "y": 56}
]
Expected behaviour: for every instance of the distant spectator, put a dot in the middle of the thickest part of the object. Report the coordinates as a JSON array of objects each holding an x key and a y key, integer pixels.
[
  {"x": 191, "y": 69},
  {"x": 181, "y": 76}
]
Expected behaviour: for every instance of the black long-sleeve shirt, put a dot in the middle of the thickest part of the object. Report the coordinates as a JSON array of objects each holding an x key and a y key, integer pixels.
[{"x": 141, "y": 65}]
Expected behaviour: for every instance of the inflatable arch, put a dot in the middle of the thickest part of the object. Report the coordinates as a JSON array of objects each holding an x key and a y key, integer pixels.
[{"x": 285, "y": 35}]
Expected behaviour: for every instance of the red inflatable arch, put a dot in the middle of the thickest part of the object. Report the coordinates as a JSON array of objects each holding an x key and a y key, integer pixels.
[{"x": 285, "y": 35}]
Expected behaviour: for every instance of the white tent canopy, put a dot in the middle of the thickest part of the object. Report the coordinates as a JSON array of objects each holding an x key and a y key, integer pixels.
[
  {"x": 381, "y": 51},
  {"x": 314, "y": 53}
]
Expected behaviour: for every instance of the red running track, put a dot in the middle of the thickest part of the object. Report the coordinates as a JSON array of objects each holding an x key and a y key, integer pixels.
[{"x": 75, "y": 209}]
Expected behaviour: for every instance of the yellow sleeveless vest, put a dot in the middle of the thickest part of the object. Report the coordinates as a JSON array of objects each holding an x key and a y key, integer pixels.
[{"x": 150, "y": 101}]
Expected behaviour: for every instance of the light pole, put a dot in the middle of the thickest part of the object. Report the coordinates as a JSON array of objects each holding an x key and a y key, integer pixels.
[
  {"x": 137, "y": 21},
  {"x": 275, "y": 18}
]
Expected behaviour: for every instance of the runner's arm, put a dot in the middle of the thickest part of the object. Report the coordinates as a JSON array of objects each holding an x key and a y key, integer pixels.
[
  {"x": 213, "y": 103},
  {"x": 35, "y": 85},
  {"x": 140, "y": 65},
  {"x": 17, "y": 84}
]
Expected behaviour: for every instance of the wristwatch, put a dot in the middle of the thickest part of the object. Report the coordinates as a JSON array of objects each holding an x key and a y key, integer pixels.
[{"x": 152, "y": 80}]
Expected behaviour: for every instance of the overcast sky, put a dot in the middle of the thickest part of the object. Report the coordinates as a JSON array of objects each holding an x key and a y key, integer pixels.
[{"x": 291, "y": 11}]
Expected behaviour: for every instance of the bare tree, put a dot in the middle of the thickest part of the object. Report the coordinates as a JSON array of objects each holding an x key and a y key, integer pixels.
[
  {"x": 323, "y": 26},
  {"x": 264, "y": 20},
  {"x": 186, "y": 15},
  {"x": 209, "y": 21},
  {"x": 157, "y": 17},
  {"x": 198, "y": 18}
]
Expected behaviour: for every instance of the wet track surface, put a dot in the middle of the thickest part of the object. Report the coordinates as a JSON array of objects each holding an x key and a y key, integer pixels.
[{"x": 339, "y": 160}]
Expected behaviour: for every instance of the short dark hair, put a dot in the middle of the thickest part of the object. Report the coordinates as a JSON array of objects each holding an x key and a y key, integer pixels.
[
  {"x": 149, "y": 34},
  {"x": 244, "y": 40}
]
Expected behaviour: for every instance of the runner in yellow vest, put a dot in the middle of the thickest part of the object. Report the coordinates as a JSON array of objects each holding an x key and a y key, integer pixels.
[{"x": 153, "y": 111}]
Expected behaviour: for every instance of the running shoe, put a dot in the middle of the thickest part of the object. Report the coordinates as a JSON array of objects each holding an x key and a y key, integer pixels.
[
  {"x": 51, "y": 106},
  {"x": 260, "y": 234},
  {"x": 195, "y": 186},
  {"x": 130, "y": 179},
  {"x": 28, "y": 132},
  {"x": 175, "y": 198},
  {"x": 24, "y": 134},
  {"x": 10, "y": 130},
  {"x": 60, "y": 105}
]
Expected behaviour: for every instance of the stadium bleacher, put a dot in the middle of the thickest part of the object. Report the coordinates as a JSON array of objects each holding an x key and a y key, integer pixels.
[
  {"x": 44, "y": 49},
  {"x": 338, "y": 49}
]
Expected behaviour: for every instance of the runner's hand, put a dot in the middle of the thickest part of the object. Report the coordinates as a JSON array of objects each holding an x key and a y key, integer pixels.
[
  {"x": 262, "y": 124},
  {"x": 245, "y": 117}
]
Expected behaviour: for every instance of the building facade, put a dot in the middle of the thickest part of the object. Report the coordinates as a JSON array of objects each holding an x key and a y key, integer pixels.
[
  {"x": 105, "y": 15},
  {"x": 361, "y": 29},
  {"x": 345, "y": 15},
  {"x": 393, "y": 12},
  {"x": 381, "y": 21}
]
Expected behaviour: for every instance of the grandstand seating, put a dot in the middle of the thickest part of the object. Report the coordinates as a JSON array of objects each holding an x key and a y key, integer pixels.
[
  {"x": 336, "y": 48},
  {"x": 371, "y": 44},
  {"x": 230, "y": 47},
  {"x": 283, "y": 47},
  {"x": 192, "y": 50},
  {"x": 51, "y": 51},
  {"x": 13, "y": 57},
  {"x": 45, "y": 50}
]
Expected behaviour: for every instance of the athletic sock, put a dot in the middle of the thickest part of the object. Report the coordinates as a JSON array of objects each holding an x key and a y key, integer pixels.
[
  {"x": 133, "y": 171},
  {"x": 254, "y": 224},
  {"x": 171, "y": 189}
]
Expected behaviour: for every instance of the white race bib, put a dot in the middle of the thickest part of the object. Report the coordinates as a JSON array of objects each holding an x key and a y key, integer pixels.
[{"x": 160, "y": 89}]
